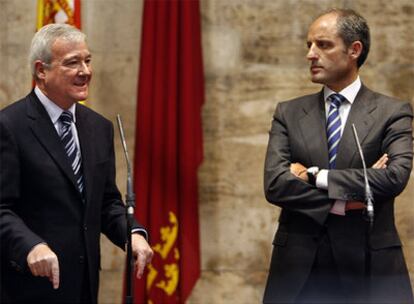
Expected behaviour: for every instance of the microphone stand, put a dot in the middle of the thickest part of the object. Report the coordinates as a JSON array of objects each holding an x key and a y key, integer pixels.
[
  {"x": 370, "y": 216},
  {"x": 368, "y": 193},
  {"x": 130, "y": 206}
]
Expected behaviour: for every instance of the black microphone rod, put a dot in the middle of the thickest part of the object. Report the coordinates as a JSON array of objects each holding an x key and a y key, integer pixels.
[
  {"x": 130, "y": 205},
  {"x": 368, "y": 194},
  {"x": 130, "y": 191}
]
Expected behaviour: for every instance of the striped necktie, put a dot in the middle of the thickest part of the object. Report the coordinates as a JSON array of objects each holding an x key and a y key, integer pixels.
[
  {"x": 333, "y": 127},
  {"x": 68, "y": 141}
]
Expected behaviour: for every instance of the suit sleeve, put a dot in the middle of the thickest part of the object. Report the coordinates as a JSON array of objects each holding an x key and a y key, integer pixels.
[
  {"x": 17, "y": 239},
  {"x": 397, "y": 142},
  {"x": 281, "y": 187}
]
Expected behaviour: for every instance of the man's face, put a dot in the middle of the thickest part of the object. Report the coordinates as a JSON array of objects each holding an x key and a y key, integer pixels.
[
  {"x": 330, "y": 59},
  {"x": 67, "y": 77}
]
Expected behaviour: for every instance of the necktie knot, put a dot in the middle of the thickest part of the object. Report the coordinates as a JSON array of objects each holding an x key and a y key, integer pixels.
[
  {"x": 337, "y": 100},
  {"x": 66, "y": 117}
]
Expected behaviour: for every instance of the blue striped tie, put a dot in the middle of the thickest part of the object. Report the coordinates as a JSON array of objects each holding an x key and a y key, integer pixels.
[
  {"x": 333, "y": 128},
  {"x": 71, "y": 148}
]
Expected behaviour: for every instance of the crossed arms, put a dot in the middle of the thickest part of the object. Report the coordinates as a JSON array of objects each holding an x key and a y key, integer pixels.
[{"x": 388, "y": 175}]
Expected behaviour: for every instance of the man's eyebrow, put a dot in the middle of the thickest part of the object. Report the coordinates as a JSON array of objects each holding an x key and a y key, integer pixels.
[{"x": 76, "y": 56}]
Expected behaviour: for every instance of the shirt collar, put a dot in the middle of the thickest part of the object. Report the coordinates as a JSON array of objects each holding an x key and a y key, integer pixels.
[
  {"x": 350, "y": 92},
  {"x": 52, "y": 108}
]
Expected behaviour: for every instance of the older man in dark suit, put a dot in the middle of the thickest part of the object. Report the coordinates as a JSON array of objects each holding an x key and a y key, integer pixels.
[
  {"x": 322, "y": 251},
  {"x": 57, "y": 181}
]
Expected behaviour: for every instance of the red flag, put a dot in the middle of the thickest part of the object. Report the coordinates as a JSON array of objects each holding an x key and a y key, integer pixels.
[
  {"x": 58, "y": 11},
  {"x": 168, "y": 148}
]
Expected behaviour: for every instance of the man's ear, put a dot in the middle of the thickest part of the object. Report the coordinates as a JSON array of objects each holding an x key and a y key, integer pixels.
[
  {"x": 355, "y": 49},
  {"x": 39, "y": 69}
]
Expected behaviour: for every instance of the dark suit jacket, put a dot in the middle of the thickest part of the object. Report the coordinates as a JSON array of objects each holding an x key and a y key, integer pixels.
[
  {"x": 298, "y": 134},
  {"x": 40, "y": 201}
]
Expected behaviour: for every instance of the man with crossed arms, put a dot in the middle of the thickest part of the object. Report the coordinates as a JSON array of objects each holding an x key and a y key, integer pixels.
[{"x": 313, "y": 171}]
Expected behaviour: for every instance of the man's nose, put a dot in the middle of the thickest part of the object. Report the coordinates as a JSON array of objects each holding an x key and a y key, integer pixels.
[
  {"x": 84, "y": 68},
  {"x": 312, "y": 54}
]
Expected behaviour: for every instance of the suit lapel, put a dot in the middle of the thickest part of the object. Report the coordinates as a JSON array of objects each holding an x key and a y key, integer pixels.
[
  {"x": 313, "y": 129},
  {"x": 360, "y": 115},
  {"x": 85, "y": 134},
  {"x": 46, "y": 134}
]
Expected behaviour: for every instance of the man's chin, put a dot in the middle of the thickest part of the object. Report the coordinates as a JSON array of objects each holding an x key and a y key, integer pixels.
[
  {"x": 317, "y": 80},
  {"x": 81, "y": 95},
  {"x": 80, "y": 98}
]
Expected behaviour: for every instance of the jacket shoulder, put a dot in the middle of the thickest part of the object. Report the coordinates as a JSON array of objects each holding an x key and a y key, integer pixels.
[
  {"x": 387, "y": 105},
  {"x": 385, "y": 100},
  {"x": 16, "y": 108},
  {"x": 91, "y": 114},
  {"x": 13, "y": 114},
  {"x": 292, "y": 106},
  {"x": 302, "y": 99}
]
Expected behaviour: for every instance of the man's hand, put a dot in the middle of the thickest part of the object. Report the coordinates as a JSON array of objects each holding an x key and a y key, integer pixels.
[
  {"x": 43, "y": 262},
  {"x": 299, "y": 170},
  {"x": 381, "y": 163},
  {"x": 142, "y": 253}
]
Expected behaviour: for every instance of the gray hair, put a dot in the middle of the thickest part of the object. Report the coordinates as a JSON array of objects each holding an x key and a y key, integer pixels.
[
  {"x": 353, "y": 27},
  {"x": 41, "y": 47}
]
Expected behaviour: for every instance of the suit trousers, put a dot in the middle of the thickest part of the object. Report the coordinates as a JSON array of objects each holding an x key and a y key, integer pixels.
[{"x": 324, "y": 284}]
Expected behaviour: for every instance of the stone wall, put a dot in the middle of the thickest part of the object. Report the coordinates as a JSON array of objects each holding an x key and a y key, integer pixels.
[{"x": 254, "y": 54}]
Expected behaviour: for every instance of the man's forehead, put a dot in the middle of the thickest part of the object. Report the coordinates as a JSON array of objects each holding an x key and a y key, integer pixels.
[
  {"x": 324, "y": 27},
  {"x": 325, "y": 21},
  {"x": 67, "y": 48}
]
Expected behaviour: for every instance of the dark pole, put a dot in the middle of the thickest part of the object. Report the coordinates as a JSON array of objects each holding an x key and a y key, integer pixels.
[
  {"x": 369, "y": 199},
  {"x": 129, "y": 208}
]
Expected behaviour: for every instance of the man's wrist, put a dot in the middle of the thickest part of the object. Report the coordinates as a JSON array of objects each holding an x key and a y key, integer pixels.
[
  {"x": 322, "y": 179},
  {"x": 312, "y": 173},
  {"x": 141, "y": 232}
]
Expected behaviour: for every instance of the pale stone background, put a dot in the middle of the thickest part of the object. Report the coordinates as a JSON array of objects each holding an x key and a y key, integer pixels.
[{"x": 254, "y": 54}]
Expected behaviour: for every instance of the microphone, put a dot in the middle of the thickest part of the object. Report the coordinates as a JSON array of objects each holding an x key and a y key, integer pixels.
[
  {"x": 368, "y": 194},
  {"x": 130, "y": 205},
  {"x": 130, "y": 196}
]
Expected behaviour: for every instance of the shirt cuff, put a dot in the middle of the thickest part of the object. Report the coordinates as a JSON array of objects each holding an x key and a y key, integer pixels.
[
  {"x": 141, "y": 231},
  {"x": 322, "y": 179}
]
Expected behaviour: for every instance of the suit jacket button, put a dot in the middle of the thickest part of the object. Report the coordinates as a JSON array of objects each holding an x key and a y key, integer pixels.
[
  {"x": 85, "y": 228},
  {"x": 81, "y": 259}
]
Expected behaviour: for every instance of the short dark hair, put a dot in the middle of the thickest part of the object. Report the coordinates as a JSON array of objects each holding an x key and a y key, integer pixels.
[{"x": 353, "y": 27}]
